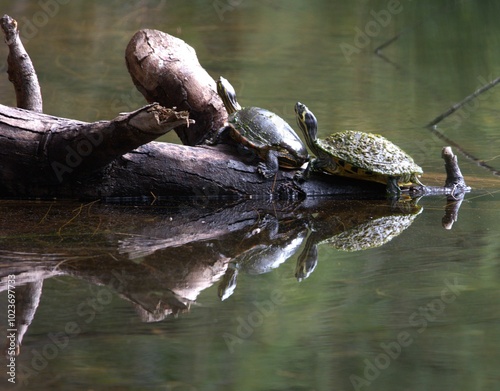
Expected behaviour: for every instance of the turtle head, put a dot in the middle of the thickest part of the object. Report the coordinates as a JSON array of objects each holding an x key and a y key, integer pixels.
[
  {"x": 307, "y": 122},
  {"x": 228, "y": 95}
]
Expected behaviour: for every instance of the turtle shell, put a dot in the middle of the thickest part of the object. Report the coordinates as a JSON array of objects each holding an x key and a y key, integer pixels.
[
  {"x": 261, "y": 129},
  {"x": 369, "y": 152}
]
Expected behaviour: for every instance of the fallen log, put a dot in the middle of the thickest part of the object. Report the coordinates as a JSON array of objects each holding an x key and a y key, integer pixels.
[{"x": 44, "y": 156}]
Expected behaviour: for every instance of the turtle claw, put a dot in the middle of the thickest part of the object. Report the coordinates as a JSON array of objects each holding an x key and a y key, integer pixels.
[{"x": 210, "y": 141}]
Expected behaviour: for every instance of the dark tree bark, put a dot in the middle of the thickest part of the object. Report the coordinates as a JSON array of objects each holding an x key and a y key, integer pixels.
[{"x": 42, "y": 155}]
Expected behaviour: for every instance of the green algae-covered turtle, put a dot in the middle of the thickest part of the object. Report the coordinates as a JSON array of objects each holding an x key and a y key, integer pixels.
[{"x": 356, "y": 154}]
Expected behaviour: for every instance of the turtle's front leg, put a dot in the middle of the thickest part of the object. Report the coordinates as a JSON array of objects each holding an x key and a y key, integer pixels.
[
  {"x": 393, "y": 187},
  {"x": 223, "y": 135},
  {"x": 415, "y": 179},
  {"x": 270, "y": 165}
]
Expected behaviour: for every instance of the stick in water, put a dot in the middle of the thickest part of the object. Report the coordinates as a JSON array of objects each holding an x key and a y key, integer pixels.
[{"x": 458, "y": 105}]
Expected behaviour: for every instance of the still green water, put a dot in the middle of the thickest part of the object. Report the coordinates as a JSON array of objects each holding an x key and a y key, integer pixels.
[{"x": 420, "y": 312}]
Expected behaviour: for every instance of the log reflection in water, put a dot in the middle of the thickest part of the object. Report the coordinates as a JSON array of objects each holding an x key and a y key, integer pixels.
[{"x": 161, "y": 257}]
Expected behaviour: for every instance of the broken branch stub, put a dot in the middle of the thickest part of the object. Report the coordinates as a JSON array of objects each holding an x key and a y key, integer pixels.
[
  {"x": 20, "y": 68},
  {"x": 166, "y": 70},
  {"x": 91, "y": 146},
  {"x": 454, "y": 178}
]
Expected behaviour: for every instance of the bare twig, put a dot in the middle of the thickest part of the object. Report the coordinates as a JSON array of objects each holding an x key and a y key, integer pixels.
[
  {"x": 432, "y": 125},
  {"x": 458, "y": 105},
  {"x": 21, "y": 71},
  {"x": 378, "y": 49}
]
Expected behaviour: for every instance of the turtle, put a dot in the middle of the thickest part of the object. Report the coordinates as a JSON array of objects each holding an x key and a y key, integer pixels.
[
  {"x": 357, "y": 155},
  {"x": 261, "y": 131}
]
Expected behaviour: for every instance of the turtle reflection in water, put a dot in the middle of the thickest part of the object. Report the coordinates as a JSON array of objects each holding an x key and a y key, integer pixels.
[
  {"x": 371, "y": 234},
  {"x": 260, "y": 131},
  {"x": 267, "y": 249},
  {"x": 357, "y": 155}
]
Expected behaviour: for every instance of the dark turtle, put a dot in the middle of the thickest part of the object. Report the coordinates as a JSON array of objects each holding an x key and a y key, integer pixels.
[
  {"x": 356, "y": 154},
  {"x": 262, "y": 132}
]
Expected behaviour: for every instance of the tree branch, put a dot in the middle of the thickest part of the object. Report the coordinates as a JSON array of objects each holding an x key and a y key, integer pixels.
[
  {"x": 39, "y": 152},
  {"x": 467, "y": 99},
  {"x": 21, "y": 71}
]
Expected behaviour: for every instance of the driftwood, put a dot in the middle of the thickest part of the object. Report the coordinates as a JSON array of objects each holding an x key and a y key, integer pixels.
[
  {"x": 46, "y": 156},
  {"x": 41, "y": 155},
  {"x": 166, "y": 70}
]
